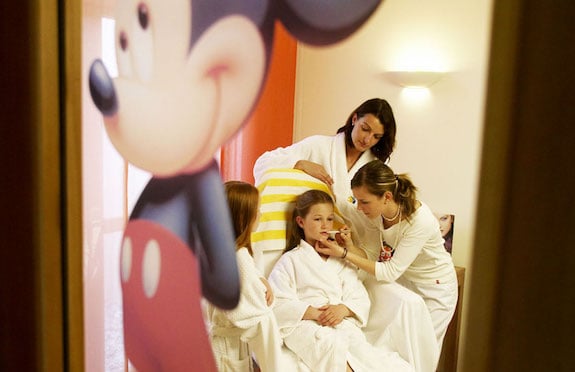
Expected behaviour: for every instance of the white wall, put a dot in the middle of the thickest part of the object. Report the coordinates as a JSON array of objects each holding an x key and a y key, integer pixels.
[{"x": 439, "y": 136}]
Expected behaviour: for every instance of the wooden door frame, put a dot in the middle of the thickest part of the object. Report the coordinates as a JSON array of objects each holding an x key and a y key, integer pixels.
[
  {"x": 72, "y": 107},
  {"x": 520, "y": 313},
  {"x": 42, "y": 318},
  {"x": 41, "y": 252}
]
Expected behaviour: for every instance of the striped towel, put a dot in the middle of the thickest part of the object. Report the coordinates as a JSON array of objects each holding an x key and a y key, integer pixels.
[{"x": 278, "y": 190}]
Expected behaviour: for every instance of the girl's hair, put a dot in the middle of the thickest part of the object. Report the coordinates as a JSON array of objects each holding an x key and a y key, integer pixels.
[
  {"x": 381, "y": 109},
  {"x": 378, "y": 178},
  {"x": 243, "y": 199},
  {"x": 303, "y": 204}
]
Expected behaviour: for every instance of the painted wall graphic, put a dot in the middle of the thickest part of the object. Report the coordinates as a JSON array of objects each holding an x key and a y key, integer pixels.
[
  {"x": 446, "y": 226},
  {"x": 190, "y": 72}
]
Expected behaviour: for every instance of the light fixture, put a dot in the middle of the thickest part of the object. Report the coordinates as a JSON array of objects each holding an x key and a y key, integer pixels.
[{"x": 414, "y": 79}]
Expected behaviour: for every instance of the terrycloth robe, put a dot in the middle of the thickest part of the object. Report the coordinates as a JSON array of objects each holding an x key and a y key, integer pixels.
[
  {"x": 249, "y": 328},
  {"x": 399, "y": 317},
  {"x": 301, "y": 278}
]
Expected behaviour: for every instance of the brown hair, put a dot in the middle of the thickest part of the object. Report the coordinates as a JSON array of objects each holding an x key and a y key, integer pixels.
[
  {"x": 381, "y": 109},
  {"x": 303, "y": 204},
  {"x": 378, "y": 178},
  {"x": 243, "y": 199}
]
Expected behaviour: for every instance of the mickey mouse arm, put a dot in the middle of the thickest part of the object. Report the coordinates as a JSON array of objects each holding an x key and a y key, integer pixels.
[
  {"x": 213, "y": 227},
  {"x": 194, "y": 207}
]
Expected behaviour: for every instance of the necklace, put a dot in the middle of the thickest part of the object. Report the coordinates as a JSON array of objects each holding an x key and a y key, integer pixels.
[
  {"x": 394, "y": 217},
  {"x": 386, "y": 251}
]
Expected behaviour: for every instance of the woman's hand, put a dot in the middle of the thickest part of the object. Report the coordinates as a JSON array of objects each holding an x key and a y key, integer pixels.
[
  {"x": 269, "y": 292},
  {"x": 344, "y": 237},
  {"x": 314, "y": 170},
  {"x": 329, "y": 248},
  {"x": 332, "y": 315}
]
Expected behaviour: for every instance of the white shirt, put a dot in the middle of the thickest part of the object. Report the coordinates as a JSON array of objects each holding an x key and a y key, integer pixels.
[{"x": 419, "y": 255}]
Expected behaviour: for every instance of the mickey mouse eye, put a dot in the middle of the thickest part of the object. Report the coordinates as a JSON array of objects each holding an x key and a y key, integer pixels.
[
  {"x": 123, "y": 41},
  {"x": 143, "y": 15}
]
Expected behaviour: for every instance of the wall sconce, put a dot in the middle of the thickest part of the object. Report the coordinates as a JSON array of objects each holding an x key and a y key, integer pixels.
[{"x": 414, "y": 79}]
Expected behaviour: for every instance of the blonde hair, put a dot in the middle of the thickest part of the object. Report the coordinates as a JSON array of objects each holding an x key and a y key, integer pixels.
[
  {"x": 243, "y": 200},
  {"x": 378, "y": 178}
]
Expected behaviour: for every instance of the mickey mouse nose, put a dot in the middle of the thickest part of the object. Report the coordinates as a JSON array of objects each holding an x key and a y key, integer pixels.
[{"x": 102, "y": 89}]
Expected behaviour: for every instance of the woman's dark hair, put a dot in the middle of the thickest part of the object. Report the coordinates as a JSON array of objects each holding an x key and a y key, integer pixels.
[
  {"x": 448, "y": 237},
  {"x": 378, "y": 178},
  {"x": 381, "y": 109},
  {"x": 303, "y": 204},
  {"x": 243, "y": 200}
]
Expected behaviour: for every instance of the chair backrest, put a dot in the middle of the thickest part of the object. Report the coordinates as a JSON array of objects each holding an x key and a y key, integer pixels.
[{"x": 278, "y": 189}]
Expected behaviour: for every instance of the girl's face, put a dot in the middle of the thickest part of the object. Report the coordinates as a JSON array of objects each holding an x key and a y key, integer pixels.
[
  {"x": 367, "y": 131},
  {"x": 317, "y": 222},
  {"x": 371, "y": 205},
  {"x": 445, "y": 221}
]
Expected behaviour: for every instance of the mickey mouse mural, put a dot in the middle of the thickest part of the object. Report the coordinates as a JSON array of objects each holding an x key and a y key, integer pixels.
[{"x": 190, "y": 73}]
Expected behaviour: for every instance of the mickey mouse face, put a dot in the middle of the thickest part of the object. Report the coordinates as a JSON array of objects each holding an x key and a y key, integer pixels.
[
  {"x": 176, "y": 103},
  {"x": 184, "y": 88},
  {"x": 135, "y": 45}
]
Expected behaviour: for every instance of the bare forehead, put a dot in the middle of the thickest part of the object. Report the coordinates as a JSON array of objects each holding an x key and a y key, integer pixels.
[
  {"x": 362, "y": 193},
  {"x": 321, "y": 208},
  {"x": 373, "y": 122}
]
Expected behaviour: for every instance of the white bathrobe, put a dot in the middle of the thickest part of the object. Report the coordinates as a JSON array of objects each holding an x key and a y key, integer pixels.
[
  {"x": 329, "y": 151},
  {"x": 301, "y": 278},
  {"x": 422, "y": 264},
  {"x": 249, "y": 328},
  {"x": 400, "y": 317}
]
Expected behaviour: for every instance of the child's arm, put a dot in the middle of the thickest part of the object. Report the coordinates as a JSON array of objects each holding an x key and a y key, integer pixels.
[
  {"x": 332, "y": 315},
  {"x": 269, "y": 292}
]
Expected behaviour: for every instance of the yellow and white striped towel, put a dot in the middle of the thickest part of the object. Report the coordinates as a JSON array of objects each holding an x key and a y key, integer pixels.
[{"x": 278, "y": 190}]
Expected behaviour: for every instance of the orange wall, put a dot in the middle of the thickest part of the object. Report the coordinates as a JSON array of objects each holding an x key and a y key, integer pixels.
[{"x": 271, "y": 123}]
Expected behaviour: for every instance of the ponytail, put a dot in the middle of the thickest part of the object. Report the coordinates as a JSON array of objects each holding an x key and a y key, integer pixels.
[{"x": 378, "y": 178}]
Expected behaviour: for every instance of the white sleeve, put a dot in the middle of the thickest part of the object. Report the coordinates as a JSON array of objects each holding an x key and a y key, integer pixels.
[
  {"x": 288, "y": 308},
  {"x": 355, "y": 296},
  {"x": 284, "y": 157},
  {"x": 409, "y": 247},
  {"x": 252, "y": 305}
]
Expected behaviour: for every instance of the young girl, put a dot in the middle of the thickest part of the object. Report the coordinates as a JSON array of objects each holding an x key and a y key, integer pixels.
[
  {"x": 321, "y": 304},
  {"x": 251, "y": 326},
  {"x": 412, "y": 250}
]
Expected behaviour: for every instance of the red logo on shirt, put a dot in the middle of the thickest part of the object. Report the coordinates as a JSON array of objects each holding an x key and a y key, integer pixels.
[{"x": 385, "y": 253}]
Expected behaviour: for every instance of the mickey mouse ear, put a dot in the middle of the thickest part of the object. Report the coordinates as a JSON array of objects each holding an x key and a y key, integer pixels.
[{"x": 323, "y": 22}]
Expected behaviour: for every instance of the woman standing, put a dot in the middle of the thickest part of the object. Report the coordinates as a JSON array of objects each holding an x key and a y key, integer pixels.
[
  {"x": 368, "y": 134},
  {"x": 412, "y": 251}
]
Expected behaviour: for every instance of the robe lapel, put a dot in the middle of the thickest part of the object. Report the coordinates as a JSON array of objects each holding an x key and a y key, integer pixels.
[
  {"x": 328, "y": 269},
  {"x": 339, "y": 167}
]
